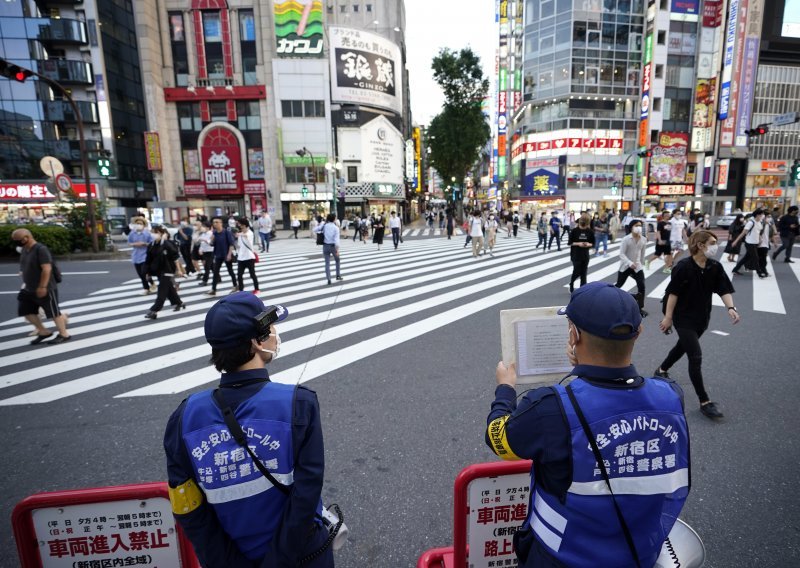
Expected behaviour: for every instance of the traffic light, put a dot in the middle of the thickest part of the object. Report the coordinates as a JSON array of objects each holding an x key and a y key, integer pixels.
[
  {"x": 311, "y": 177},
  {"x": 645, "y": 153},
  {"x": 759, "y": 130},
  {"x": 104, "y": 167},
  {"x": 795, "y": 171},
  {"x": 304, "y": 191},
  {"x": 11, "y": 71}
]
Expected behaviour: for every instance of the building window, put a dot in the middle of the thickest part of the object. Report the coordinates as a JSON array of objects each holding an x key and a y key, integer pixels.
[
  {"x": 212, "y": 29},
  {"x": 330, "y": 8},
  {"x": 189, "y": 117},
  {"x": 247, "y": 34},
  {"x": 368, "y": 7},
  {"x": 352, "y": 174},
  {"x": 219, "y": 110},
  {"x": 301, "y": 109},
  {"x": 298, "y": 174},
  {"x": 662, "y": 37},
  {"x": 248, "y": 115},
  {"x": 180, "y": 60},
  {"x": 659, "y": 71},
  {"x": 355, "y": 7},
  {"x": 657, "y": 104},
  {"x": 212, "y": 36},
  {"x": 343, "y": 8}
]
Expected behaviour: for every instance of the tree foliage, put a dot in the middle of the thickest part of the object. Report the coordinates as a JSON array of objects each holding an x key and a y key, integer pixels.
[{"x": 458, "y": 133}]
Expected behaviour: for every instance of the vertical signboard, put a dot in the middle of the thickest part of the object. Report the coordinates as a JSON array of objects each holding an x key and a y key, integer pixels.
[
  {"x": 728, "y": 56},
  {"x": 152, "y": 151},
  {"x": 502, "y": 88},
  {"x": 749, "y": 68},
  {"x": 644, "y": 119},
  {"x": 298, "y": 28}
]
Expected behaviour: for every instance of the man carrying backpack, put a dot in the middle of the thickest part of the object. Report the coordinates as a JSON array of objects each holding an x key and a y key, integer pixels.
[{"x": 40, "y": 290}]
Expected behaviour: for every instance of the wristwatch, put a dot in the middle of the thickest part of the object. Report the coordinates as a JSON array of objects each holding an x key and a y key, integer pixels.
[{"x": 733, "y": 308}]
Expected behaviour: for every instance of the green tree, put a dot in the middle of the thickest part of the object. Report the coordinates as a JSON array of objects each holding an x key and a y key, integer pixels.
[{"x": 458, "y": 133}]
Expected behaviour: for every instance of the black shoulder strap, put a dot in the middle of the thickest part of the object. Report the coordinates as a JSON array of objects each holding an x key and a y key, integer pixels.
[
  {"x": 238, "y": 435},
  {"x": 599, "y": 457}
]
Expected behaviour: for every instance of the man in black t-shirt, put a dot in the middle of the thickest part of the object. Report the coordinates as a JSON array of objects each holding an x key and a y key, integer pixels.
[
  {"x": 788, "y": 229},
  {"x": 39, "y": 290},
  {"x": 581, "y": 239}
]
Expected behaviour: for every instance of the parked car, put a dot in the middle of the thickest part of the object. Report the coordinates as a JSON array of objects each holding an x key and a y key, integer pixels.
[{"x": 724, "y": 221}]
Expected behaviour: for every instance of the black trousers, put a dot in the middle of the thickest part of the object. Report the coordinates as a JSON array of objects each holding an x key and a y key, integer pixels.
[
  {"x": 166, "y": 291},
  {"x": 786, "y": 243},
  {"x": 689, "y": 344},
  {"x": 141, "y": 270},
  {"x": 557, "y": 237},
  {"x": 762, "y": 253},
  {"x": 208, "y": 263},
  {"x": 249, "y": 265},
  {"x": 749, "y": 259},
  {"x": 639, "y": 277},
  {"x": 542, "y": 240},
  {"x": 216, "y": 268},
  {"x": 580, "y": 267},
  {"x": 186, "y": 253},
  {"x": 515, "y": 228}
]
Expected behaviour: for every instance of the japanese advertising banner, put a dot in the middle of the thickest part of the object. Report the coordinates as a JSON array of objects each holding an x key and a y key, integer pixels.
[
  {"x": 24, "y": 192},
  {"x": 727, "y": 69},
  {"x": 365, "y": 69},
  {"x": 255, "y": 163},
  {"x": 152, "y": 148},
  {"x": 541, "y": 182},
  {"x": 382, "y": 152},
  {"x": 712, "y": 13},
  {"x": 685, "y": 7},
  {"x": 497, "y": 508},
  {"x": 668, "y": 162},
  {"x": 704, "y": 103},
  {"x": 298, "y": 28},
  {"x": 135, "y": 532}
]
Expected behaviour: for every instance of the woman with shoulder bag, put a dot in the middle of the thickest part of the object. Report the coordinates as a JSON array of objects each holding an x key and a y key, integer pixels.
[
  {"x": 162, "y": 262},
  {"x": 246, "y": 257},
  {"x": 734, "y": 247}
]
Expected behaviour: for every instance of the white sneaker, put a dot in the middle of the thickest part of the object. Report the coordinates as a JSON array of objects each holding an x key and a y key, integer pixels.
[
  {"x": 145, "y": 292},
  {"x": 153, "y": 289}
]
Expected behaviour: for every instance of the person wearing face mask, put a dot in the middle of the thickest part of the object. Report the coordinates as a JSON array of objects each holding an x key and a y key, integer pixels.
[
  {"x": 246, "y": 256},
  {"x": 162, "y": 262},
  {"x": 687, "y": 307},
  {"x": 184, "y": 238},
  {"x": 491, "y": 227},
  {"x": 140, "y": 239},
  {"x": 677, "y": 238},
  {"x": 581, "y": 239},
  {"x": 230, "y": 512},
  {"x": 631, "y": 262},
  {"x": 39, "y": 288},
  {"x": 751, "y": 235},
  {"x": 573, "y": 519}
]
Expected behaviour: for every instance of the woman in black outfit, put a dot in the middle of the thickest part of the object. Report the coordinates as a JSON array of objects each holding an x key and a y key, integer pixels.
[
  {"x": 688, "y": 308},
  {"x": 734, "y": 231},
  {"x": 379, "y": 228},
  {"x": 162, "y": 255},
  {"x": 581, "y": 239}
]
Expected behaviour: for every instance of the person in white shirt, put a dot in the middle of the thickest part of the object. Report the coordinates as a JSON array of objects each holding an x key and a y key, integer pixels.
[
  {"x": 752, "y": 233},
  {"x": 330, "y": 245},
  {"x": 264, "y": 230},
  {"x": 395, "y": 225},
  {"x": 295, "y": 226},
  {"x": 631, "y": 262},
  {"x": 476, "y": 232},
  {"x": 677, "y": 237},
  {"x": 245, "y": 255},
  {"x": 491, "y": 232},
  {"x": 206, "y": 251}
]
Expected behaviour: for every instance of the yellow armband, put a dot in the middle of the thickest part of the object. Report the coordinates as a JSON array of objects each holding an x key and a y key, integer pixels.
[
  {"x": 185, "y": 498},
  {"x": 497, "y": 437}
]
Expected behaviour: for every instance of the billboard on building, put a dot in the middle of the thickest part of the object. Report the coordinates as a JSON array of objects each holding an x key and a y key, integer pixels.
[
  {"x": 298, "y": 28},
  {"x": 152, "y": 151},
  {"x": 668, "y": 162},
  {"x": 382, "y": 152},
  {"x": 366, "y": 69},
  {"x": 728, "y": 57}
]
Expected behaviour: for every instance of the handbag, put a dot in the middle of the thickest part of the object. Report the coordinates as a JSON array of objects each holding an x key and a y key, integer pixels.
[
  {"x": 255, "y": 254},
  {"x": 321, "y": 234},
  {"x": 333, "y": 522}
]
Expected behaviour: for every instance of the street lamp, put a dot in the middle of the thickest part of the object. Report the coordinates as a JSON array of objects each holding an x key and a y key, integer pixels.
[
  {"x": 302, "y": 153},
  {"x": 333, "y": 171}
]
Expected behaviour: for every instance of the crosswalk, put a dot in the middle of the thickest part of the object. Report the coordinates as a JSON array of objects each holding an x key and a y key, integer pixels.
[
  {"x": 430, "y": 232},
  {"x": 388, "y": 297}
]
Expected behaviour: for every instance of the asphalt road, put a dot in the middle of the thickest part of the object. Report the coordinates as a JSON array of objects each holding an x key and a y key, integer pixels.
[{"x": 404, "y": 398}]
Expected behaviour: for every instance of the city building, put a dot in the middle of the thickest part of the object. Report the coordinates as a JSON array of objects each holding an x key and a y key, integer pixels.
[
  {"x": 242, "y": 93},
  {"x": 90, "y": 49},
  {"x": 576, "y": 126}
]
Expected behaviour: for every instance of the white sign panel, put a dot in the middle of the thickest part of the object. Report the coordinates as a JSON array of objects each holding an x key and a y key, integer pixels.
[
  {"x": 497, "y": 508},
  {"x": 135, "y": 532},
  {"x": 365, "y": 69},
  {"x": 382, "y": 151}
]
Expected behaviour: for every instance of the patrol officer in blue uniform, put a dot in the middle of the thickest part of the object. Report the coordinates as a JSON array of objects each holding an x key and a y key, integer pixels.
[
  {"x": 640, "y": 434},
  {"x": 232, "y": 513}
]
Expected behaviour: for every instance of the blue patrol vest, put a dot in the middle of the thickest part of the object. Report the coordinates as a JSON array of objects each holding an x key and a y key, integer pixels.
[
  {"x": 644, "y": 441},
  {"x": 247, "y": 505}
]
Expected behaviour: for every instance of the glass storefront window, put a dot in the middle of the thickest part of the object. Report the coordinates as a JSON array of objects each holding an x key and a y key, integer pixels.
[{"x": 212, "y": 30}]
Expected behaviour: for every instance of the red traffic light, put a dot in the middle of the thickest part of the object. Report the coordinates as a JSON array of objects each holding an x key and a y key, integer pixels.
[
  {"x": 761, "y": 130},
  {"x": 20, "y": 76}
]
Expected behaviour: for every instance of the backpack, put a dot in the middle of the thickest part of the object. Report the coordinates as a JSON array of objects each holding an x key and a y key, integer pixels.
[
  {"x": 56, "y": 271},
  {"x": 321, "y": 235}
]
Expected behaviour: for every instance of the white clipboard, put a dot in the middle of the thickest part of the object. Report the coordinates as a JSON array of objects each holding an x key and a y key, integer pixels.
[{"x": 536, "y": 340}]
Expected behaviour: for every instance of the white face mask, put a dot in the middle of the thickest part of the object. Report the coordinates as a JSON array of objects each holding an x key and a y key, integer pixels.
[
  {"x": 19, "y": 250},
  {"x": 277, "y": 347},
  {"x": 637, "y": 230},
  {"x": 711, "y": 251},
  {"x": 137, "y": 227}
]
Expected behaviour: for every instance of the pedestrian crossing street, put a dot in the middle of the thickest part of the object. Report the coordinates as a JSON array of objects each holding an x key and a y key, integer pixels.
[{"x": 388, "y": 297}]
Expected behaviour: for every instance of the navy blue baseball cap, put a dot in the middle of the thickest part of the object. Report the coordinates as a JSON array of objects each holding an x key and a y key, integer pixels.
[
  {"x": 231, "y": 320},
  {"x": 598, "y": 308}
]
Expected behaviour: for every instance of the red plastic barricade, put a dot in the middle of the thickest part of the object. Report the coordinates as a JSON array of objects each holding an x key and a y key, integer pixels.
[
  {"x": 456, "y": 555},
  {"x": 74, "y": 538}
]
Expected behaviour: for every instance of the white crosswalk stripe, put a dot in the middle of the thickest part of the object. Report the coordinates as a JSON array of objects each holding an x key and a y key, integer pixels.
[{"x": 415, "y": 289}]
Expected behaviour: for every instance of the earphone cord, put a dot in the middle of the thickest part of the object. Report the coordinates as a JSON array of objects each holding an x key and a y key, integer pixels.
[{"x": 319, "y": 336}]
